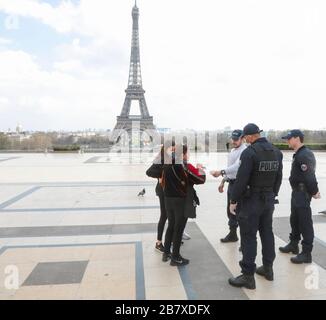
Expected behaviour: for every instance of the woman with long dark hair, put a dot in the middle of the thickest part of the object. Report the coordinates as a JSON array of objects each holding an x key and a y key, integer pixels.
[
  {"x": 176, "y": 179},
  {"x": 155, "y": 171}
]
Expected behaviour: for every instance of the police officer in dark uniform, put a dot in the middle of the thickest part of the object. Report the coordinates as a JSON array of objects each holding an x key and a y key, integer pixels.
[
  {"x": 257, "y": 184},
  {"x": 304, "y": 187}
]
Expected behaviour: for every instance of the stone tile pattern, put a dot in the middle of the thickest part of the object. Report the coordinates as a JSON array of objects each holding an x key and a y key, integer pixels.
[{"x": 54, "y": 273}]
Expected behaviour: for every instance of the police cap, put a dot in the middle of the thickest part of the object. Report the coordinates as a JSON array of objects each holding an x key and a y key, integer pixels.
[
  {"x": 293, "y": 134},
  {"x": 251, "y": 129}
]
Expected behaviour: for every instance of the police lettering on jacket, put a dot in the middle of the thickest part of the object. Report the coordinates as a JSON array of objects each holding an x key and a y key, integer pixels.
[{"x": 268, "y": 165}]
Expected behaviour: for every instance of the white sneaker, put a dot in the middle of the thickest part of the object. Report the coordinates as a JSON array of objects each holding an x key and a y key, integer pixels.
[{"x": 186, "y": 236}]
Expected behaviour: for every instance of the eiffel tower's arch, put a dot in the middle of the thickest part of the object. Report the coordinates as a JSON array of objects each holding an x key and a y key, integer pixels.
[{"x": 137, "y": 134}]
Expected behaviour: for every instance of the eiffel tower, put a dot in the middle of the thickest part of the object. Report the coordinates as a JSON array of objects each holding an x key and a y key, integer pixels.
[{"x": 135, "y": 91}]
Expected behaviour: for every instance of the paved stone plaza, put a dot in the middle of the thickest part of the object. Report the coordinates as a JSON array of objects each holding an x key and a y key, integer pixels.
[{"x": 73, "y": 227}]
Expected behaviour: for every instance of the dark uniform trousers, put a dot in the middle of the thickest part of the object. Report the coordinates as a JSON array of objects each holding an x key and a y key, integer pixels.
[
  {"x": 233, "y": 220},
  {"x": 256, "y": 214},
  {"x": 301, "y": 220}
]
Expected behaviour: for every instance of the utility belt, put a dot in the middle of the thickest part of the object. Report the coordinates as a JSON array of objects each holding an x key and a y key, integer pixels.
[
  {"x": 231, "y": 181},
  {"x": 300, "y": 187},
  {"x": 261, "y": 192}
]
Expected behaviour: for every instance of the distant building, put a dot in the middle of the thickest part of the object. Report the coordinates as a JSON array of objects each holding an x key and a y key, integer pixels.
[
  {"x": 19, "y": 128},
  {"x": 18, "y": 135}
]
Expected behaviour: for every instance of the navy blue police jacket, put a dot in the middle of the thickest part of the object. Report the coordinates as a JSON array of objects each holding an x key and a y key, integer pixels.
[
  {"x": 303, "y": 170},
  {"x": 248, "y": 160}
]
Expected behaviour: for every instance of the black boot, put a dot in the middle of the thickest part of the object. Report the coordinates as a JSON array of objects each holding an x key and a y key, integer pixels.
[
  {"x": 231, "y": 237},
  {"x": 302, "y": 258},
  {"x": 243, "y": 280},
  {"x": 266, "y": 271},
  {"x": 178, "y": 261},
  {"x": 166, "y": 256},
  {"x": 291, "y": 247}
]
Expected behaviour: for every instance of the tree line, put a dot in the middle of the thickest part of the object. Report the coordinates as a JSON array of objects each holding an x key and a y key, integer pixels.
[{"x": 48, "y": 141}]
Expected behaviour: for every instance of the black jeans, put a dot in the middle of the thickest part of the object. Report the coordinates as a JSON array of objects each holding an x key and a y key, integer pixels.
[
  {"x": 256, "y": 214},
  {"x": 233, "y": 220},
  {"x": 301, "y": 220},
  {"x": 176, "y": 224},
  {"x": 163, "y": 218}
]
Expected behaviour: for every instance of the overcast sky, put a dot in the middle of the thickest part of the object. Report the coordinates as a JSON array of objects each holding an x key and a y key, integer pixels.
[{"x": 206, "y": 64}]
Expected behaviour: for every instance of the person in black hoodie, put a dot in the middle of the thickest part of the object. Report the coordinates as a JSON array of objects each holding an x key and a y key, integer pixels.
[
  {"x": 177, "y": 177},
  {"x": 155, "y": 171}
]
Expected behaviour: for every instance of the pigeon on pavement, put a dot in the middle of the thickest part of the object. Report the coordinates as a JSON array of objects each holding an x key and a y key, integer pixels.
[{"x": 142, "y": 193}]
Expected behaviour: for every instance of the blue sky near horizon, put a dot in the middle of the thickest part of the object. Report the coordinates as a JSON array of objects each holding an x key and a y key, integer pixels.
[{"x": 35, "y": 38}]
